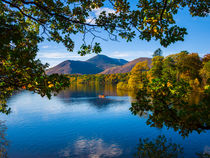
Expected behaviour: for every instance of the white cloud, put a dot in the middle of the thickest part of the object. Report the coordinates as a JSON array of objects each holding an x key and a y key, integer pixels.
[
  {"x": 206, "y": 150},
  {"x": 45, "y": 47},
  {"x": 57, "y": 55},
  {"x": 120, "y": 54},
  {"x": 92, "y": 148},
  {"x": 90, "y": 20},
  {"x": 99, "y": 10},
  {"x": 131, "y": 55},
  {"x": 54, "y": 58}
]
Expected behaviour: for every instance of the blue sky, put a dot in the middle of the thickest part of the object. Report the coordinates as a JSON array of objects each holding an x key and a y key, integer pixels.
[{"x": 197, "y": 41}]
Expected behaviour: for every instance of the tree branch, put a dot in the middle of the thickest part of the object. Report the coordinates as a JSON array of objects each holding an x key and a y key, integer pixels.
[
  {"x": 164, "y": 8},
  {"x": 44, "y": 8}
]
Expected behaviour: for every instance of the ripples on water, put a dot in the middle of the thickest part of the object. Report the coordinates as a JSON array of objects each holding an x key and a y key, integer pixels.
[{"x": 77, "y": 123}]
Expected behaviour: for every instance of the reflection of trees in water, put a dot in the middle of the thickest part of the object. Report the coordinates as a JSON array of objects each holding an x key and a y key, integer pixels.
[
  {"x": 102, "y": 103},
  {"x": 158, "y": 148},
  {"x": 178, "y": 113},
  {"x": 93, "y": 90},
  {"x": 161, "y": 147},
  {"x": 110, "y": 90},
  {"x": 89, "y": 94},
  {"x": 130, "y": 93},
  {"x": 99, "y": 103},
  {"x": 203, "y": 155},
  {"x": 87, "y": 90},
  {"x": 79, "y": 90},
  {"x": 3, "y": 141}
]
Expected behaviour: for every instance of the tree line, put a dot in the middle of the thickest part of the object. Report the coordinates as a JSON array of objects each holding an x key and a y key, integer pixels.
[{"x": 181, "y": 68}]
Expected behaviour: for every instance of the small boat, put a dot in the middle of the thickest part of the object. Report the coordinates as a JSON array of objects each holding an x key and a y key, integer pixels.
[{"x": 101, "y": 96}]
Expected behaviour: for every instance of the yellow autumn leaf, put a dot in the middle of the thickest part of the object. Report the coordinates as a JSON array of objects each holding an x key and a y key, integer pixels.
[
  {"x": 50, "y": 85},
  {"x": 169, "y": 84}
]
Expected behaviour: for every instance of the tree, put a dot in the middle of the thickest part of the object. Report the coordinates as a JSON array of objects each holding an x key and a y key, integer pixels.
[
  {"x": 205, "y": 71},
  {"x": 158, "y": 52},
  {"x": 157, "y": 66},
  {"x": 25, "y": 23},
  {"x": 18, "y": 67},
  {"x": 138, "y": 75},
  {"x": 169, "y": 68},
  {"x": 190, "y": 66},
  {"x": 183, "y": 65}
]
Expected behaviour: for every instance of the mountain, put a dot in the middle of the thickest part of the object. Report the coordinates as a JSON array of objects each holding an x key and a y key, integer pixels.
[
  {"x": 127, "y": 67},
  {"x": 74, "y": 67},
  {"x": 98, "y": 64},
  {"x": 105, "y": 62}
]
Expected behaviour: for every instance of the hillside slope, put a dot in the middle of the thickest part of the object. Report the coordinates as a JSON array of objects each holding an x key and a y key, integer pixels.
[
  {"x": 74, "y": 67},
  {"x": 127, "y": 67},
  {"x": 105, "y": 62}
]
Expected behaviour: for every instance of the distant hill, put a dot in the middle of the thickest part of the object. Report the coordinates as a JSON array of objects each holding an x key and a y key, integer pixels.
[
  {"x": 104, "y": 62},
  {"x": 127, "y": 67},
  {"x": 98, "y": 64},
  {"x": 74, "y": 67},
  {"x": 93, "y": 65}
]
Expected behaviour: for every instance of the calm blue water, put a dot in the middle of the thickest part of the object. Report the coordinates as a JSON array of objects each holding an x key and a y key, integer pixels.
[{"x": 77, "y": 123}]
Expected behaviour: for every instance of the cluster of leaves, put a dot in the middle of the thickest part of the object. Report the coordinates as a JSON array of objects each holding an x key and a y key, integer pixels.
[
  {"x": 137, "y": 78},
  {"x": 182, "y": 65},
  {"x": 205, "y": 72},
  {"x": 18, "y": 67},
  {"x": 139, "y": 68},
  {"x": 150, "y": 19}
]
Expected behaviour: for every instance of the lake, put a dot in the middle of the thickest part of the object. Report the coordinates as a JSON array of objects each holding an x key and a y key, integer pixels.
[{"x": 77, "y": 123}]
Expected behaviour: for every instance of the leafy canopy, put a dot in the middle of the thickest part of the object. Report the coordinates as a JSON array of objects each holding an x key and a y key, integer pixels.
[{"x": 59, "y": 19}]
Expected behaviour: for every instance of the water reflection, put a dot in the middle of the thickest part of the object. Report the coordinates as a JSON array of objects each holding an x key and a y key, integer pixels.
[
  {"x": 77, "y": 123},
  {"x": 88, "y": 90},
  {"x": 93, "y": 90},
  {"x": 206, "y": 152},
  {"x": 161, "y": 147},
  {"x": 182, "y": 115},
  {"x": 78, "y": 93},
  {"x": 91, "y": 148},
  {"x": 3, "y": 140}
]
